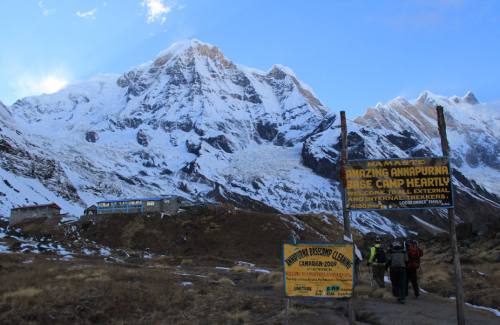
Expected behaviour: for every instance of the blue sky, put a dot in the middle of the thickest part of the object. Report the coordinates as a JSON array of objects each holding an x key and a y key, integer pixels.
[{"x": 352, "y": 53}]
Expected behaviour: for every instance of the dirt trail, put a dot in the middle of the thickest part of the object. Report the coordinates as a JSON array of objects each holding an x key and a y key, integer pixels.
[
  {"x": 427, "y": 309},
  {"x": 378, "y": 306}
]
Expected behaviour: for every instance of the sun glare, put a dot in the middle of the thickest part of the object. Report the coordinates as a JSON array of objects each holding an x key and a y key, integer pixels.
[
  {"x": 29, "y": 85},
  {"x": 51, "y": 84}
]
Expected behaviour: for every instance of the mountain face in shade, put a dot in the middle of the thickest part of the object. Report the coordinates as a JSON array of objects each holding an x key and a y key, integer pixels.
[{"x": 193, "y": 123}]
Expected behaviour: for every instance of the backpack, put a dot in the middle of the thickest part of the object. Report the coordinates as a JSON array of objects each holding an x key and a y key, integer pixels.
[
  {"x": 380, "y": 256},
  {"x": 414, "y": 254}
]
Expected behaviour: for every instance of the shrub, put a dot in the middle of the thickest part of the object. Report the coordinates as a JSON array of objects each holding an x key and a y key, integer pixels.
[
  {"x": 239, "y": 317},
  {"x": 239, "y": 269},
  {"x": 272, "y": 277},
  {"x": 225, "y": 281},
  {"x": 186, "y": 262}
]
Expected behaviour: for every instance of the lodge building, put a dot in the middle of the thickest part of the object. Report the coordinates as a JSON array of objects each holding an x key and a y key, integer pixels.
[
  {"x": 20, "y": 214},
  {"x": 166, "y": 204}
]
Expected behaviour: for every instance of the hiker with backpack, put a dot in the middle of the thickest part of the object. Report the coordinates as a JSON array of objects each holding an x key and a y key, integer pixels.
[
  {"x": 376, "y": 261},
  {"x": 413, "y": 264},
  {"x": 396, "y": 262}
]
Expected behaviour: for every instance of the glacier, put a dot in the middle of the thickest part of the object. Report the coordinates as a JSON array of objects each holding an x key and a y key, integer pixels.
[{"x": 193, "y": 123}]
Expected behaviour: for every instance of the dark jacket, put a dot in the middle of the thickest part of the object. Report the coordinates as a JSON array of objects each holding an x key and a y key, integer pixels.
[{"x": 397, "y": 258}]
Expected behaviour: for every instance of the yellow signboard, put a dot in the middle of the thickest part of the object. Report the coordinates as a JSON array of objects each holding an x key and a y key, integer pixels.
[
  {"x": 323, "y": 270},
  {"x": 413, "y": 183}
]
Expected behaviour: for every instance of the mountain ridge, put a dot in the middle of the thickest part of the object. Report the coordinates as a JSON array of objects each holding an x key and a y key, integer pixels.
[{"x": 193, "y": 123}]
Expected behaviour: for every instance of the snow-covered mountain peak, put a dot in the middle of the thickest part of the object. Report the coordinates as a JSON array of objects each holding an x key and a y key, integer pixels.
[
  {"x": 397, "y": 102},
  {"x": 428, "y": 98},
  {"x": 189, "y": 84},
  {"x": 183, "y": 46},
  {"x": 470, "y": 98},
  {"x": 190, "y": 49},
  {"x": 192, "y": 123},
  {"x": 280, "y": 71}
]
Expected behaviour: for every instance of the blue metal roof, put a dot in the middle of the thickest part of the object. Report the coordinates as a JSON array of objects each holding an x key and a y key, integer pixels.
[{"x": 132, "y": 199}]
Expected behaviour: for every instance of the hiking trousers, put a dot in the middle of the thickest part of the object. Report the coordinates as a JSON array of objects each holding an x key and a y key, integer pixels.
[
  {"x": 411, "y": 276},
  {"x": 398, "y": 281},
  {"x": 378, "y": 271}
]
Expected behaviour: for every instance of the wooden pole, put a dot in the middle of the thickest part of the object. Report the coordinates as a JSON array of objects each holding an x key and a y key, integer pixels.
[
  {"x": 345, "y": 212},
  {"x": 343, "y": 161},
  {"x": 287, "y": 307},
  {"x": 451, "y": 219}
]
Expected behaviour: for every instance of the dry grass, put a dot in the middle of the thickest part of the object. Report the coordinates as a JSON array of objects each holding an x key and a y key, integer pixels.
[
  {"x": 226, "y": 281},
  {"x": 96, "y": 295},
  {"x": 162, "y": 260},
  {"x": 296, "y": 311},
  {"x": 187, "y": 262},
  {"x": 131, "y": 229},
  {"x": 212, "y": 276},
  {"x": 239, "y": 269},
  {"x": 23, "y": 293},
  {"x": 87, "y": 275},
  {"x": 278, "y": 286},
  {"x": 271, "y": 278},
  {"x": 212, "y": 227},
  {"x": 435, "y": 275},
  {"x": 379, "y": 293},
  {"x": 239, "y": 317},
  {"x": 363, "y": 290}
]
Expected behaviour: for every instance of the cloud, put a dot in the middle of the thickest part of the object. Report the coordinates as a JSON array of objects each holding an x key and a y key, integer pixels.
[
  {"x": 157, "y": 10},
  {"x": 87, "y": 14},
  {"x": 28, "y": 85},
  {"x": 45, "y": 11}
]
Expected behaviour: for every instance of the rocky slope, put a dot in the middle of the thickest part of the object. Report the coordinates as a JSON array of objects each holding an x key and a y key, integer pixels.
[
  {"x": 27, "y": 173},
  {"x": 195, "y": 124}
]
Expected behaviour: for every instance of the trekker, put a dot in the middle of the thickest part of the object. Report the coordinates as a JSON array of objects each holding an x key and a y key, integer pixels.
[
  {"x": 376, "y": 261},
  {"x": 397, "y": 266},
  {"x": 413, "y": 264}
]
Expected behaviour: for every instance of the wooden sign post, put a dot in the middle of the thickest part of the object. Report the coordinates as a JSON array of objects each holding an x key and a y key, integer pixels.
[
  {"x": 451, "y": 219},
  {"x": 442, "y": 200},
  {"x": 345, "y": 212}
]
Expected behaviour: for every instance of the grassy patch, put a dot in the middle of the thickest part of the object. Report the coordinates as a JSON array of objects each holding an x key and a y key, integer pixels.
[
  {"x": 23, "y": 293},
  {"x": 225, "y": 281}
]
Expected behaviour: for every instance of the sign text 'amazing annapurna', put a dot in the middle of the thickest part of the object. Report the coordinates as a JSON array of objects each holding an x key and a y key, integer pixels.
[
  {"x": 318, "y": 270},
  {"x": 398, "y": 184}
]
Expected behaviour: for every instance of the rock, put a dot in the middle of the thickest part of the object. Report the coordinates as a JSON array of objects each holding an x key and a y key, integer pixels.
[
  {"x": 403, "y": 140},
  {"x": 142, "y": 138},
  {"x": 133, "y": 122},
  {"x": 91, "y": 136},
  {"x": 267, "y": 130},
  {"x": 220, "y": 142},
  {"x": 325, "y": 166},
  {"x": 193, "y": 147}
]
